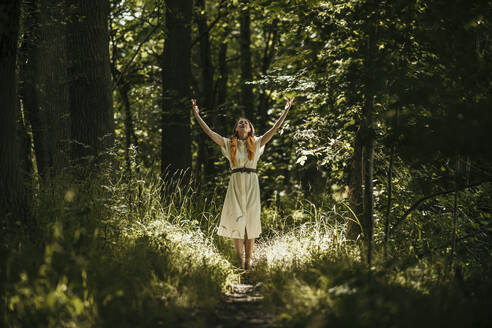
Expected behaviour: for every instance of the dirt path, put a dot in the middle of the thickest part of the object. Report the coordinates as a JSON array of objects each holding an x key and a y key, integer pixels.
[{"x": 243, "y": 307}]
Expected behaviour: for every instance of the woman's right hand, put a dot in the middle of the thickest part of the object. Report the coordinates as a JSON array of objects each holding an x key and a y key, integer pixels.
[{"x": 194, "y": 106}]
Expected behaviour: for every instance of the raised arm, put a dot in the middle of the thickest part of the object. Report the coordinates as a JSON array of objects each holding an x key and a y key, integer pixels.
[
  {"x": 217, "y": 138},
  {"x": 269, "y": 134}
]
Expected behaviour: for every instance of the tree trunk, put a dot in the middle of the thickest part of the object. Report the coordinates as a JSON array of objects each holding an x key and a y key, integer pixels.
[
  {"x": 268, "y": 53},
  {"x": 129, "y": 130},
  {"x": 355, "y": 189},
  {"x": 368, "y": 136},
  {"x": 54, "y": 96},
  {"x": 29, "y": 80},
  {"x": 389, "y": 204},
  {"x": 91, "y": 102},
  {"x": 176, "y": 77},
  {"x": 207, "y": 147},
  {"x": 247, "y": 102},
  {"x": 13, "y": 195},
  {"x": 390, "y": 184},
  {"x": 222, "y": 80},
  {"x": 26, "y": 156},
  {"x": 455, "y": 213},
  {"x": 367, "y": 218}
]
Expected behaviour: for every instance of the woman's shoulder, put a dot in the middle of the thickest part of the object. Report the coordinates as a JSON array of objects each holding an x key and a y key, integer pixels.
[{"x": 226, "y": 141}]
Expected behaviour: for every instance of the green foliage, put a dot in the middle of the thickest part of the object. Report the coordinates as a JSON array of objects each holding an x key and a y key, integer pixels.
[
  {"x": 312, "y": 276},
  {"x": 109, "y": 251},
  {"x": 125, "y": 248}
]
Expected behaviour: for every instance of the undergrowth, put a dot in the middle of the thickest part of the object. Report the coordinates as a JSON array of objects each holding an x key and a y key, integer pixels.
[
  {"x": 313, "y": 277},
  {"x": 114, "y": 251}
]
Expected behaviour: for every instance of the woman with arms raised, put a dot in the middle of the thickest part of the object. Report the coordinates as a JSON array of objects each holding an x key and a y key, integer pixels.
[{"x": 240, "y": 218}]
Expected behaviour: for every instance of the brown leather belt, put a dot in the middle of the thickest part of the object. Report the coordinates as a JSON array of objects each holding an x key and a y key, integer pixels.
[{"x": 244, "y": 169}]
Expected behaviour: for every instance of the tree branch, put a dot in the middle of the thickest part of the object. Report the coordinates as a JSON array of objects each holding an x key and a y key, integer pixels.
[
  {"x": 216, "y": 20},
  {"x": 125, "y": 68},
  {"x": 423, "y": 199}
]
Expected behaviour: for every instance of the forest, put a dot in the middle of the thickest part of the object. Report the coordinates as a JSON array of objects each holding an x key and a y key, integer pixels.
[{"x": 375, "y": 192}]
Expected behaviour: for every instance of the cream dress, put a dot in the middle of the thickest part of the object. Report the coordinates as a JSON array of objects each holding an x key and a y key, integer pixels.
[{"x": 241, "y": 210}]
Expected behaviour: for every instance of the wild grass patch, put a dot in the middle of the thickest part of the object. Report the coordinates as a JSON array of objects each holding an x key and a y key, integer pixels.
[
  {"x": 112, "y": 252},
  {"x": 313, "y": 277}
]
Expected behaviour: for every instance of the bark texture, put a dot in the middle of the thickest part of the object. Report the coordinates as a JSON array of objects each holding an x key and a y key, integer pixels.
[
  {"x": 44, "y": 87},
  {"x": 247, "y": 100},
  {"x": 91, "y": 102},
  {"x": 363, "y": 159},
  {"x": 12, "y": 195},
  {"x": 207, "y": 147},
  {"x": 28, "y": 73},
  {"x": 368, "y": 136},
  {"x": 222, "y": 79},
  {"x": 271, "y": 34},
  {"x": 176, "y": 77},
  {"x": 53, "y": 87},
  {"x": 355, "y": 189}
]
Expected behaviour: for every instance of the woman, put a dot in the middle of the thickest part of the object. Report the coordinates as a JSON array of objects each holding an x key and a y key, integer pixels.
[{"x": 240, "y": 218}]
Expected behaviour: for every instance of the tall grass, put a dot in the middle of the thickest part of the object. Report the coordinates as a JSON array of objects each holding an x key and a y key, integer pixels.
[
  {"x": 110, "y": 250},
  {"x": 136, "y": 250},
  {"x": 313, "y": 277}
]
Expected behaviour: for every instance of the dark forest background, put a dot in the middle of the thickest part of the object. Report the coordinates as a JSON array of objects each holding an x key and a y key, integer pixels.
[{"x": 376, "y": 193}]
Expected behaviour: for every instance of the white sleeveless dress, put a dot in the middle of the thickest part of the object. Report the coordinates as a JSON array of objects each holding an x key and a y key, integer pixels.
[{"x": 241, "y": 210}]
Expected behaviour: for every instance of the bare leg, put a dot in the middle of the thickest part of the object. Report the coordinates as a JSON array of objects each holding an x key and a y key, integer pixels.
[
  {"x": 238, "y": 245},
  {"x": 249, "y": 243}
]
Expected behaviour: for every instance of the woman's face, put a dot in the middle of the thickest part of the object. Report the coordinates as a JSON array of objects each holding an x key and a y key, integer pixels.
[{"x": 243, "y": 126}]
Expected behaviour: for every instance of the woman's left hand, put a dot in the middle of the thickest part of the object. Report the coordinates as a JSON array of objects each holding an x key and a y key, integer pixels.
[{"x": 289, "y": 103}]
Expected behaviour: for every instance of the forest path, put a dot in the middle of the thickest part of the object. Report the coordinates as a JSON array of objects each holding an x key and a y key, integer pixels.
[{"x": 243, "y": 307}]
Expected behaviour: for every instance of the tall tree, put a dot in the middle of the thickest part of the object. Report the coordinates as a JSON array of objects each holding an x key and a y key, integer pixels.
[
  {"x": 12, "y": 197},
  {"x": 44, "y": 90},
  {"x": 355, "y": 188},
  {"x": 176, "y": 77},
  {"x": 91, "y": 102},
  {"x": 207, "y": 95},
  {"x": 368, "y": 133},
  {"x": 223, "y": 71},
  {"x": 247, "y": 100},
  {"x": 54, "y": 92},
  {"x": 271, "y": 36},
  {"x": 28, "y": 90}
]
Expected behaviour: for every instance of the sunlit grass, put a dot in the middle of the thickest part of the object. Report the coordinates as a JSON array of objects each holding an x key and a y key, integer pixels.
[
  {"x": 313, "y": 277},
  {"x": 111, "y": 251},
  {"x": 300, "y": 246},
  {"x": 141, "y": 251}
]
